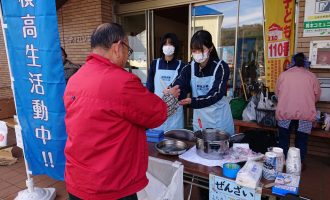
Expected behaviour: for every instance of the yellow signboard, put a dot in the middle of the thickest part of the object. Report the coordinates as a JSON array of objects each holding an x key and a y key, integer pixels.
[{"x": 279, "y": 38}]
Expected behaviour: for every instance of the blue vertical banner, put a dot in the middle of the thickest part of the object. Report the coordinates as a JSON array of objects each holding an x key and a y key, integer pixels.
[{"x": 38, "y": 78}]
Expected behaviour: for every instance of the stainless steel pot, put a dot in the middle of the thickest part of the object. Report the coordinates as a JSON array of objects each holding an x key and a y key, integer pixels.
[{"x": 212, "y": 143}]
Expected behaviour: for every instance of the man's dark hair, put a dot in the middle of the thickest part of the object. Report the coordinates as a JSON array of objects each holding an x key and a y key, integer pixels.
[
  {"x": 106, "y": 34},
  {"x": 299, "y": 59},
  {"x": 173, "y": 40}
]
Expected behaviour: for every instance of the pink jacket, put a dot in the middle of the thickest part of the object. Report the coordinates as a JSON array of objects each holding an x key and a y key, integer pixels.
[{"x": 297, "y": 90}]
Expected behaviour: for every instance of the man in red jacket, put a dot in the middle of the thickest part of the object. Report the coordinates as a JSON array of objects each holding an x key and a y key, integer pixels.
[{"x": 107, "y": 112}]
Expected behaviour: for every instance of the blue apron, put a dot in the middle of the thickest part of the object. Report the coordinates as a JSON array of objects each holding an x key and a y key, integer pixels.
[
  {"x": 217, "y": 115},
  {"x": 175, "y": 121}
]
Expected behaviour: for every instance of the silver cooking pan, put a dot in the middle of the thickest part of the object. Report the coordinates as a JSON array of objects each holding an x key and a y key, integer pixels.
[
  {"x": 181, "y": 134},
  {"x": 213, "y": 143},
  {"x": 171, "y": 147},
  {"x": 210, "y": 143}
]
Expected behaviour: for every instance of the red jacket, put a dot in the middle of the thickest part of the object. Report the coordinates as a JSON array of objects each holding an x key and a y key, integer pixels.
[{"x": 107, "y": 112}]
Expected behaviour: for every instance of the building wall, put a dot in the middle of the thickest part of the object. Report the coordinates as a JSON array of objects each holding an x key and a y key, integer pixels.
[
  {"x": 303, "y": 42},
  {"x": 303, "y": 46},
  {"x": 76, "y": 20},
  {"x": 211, "y": 24},
  {"x": 5, "y": 89},
  {"x": 316, "y": 146}
]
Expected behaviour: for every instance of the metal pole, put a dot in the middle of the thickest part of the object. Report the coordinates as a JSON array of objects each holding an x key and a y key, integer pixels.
[
  {"x": 189, "y": 31},
  {"x": 146, "y": 15},
  {"x": 29, "y": 182},
  {"x": 236, "y": 41},
  {"x": 296, "y": 25},
  {"x": 264, "y": 36},
  {"x": 152, "y": 29}
]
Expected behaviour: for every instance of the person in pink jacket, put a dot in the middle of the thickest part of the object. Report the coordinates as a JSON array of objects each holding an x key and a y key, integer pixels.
[{"x": 297, "y": 90}]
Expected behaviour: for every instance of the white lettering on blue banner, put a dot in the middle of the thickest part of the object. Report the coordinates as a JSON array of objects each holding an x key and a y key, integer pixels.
[
  {"x": 26, "y": 3},
  {"x": 37, "y": 68}
]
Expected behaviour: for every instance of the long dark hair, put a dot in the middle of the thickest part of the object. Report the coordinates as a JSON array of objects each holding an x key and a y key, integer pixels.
[
  {"x": 174, "y": 42},
  {"x": 201, "y": 38}
]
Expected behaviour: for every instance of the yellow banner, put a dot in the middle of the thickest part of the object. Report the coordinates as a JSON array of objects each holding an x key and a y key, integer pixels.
[{"x": 278, "y": 37}]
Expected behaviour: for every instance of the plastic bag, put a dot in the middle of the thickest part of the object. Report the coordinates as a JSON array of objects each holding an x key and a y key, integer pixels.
[
  {"x": 237, "y": 106},
  {"x": 250, "y": 175},
  {"x": 165, "y": 181},
  {"x": 262, "y": 102},
  {"x": 265, "y": 102},
  {"x": 249, "y": 113}
]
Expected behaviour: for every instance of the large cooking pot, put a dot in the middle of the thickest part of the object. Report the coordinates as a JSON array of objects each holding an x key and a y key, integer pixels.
[{"x": 213, "y": 143}]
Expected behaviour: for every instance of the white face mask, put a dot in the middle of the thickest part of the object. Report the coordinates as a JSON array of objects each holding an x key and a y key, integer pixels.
[
  {"x": 200, "y": 57},
  {"x": 168, "y": 50}
]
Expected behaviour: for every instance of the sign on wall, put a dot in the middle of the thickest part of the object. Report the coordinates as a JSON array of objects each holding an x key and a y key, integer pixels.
[
  {"x": 317, "y": 18},
  {"x": 319, "y": 54},
  {"x": 38, "y": 80},
  {"x": 279, "y": 38},
  {"x": 225, "y": 189}
]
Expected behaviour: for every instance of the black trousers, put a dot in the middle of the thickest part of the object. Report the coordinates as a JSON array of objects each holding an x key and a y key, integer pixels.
[
  {"x": 301, "y": 140},
  {"x": 130, "y": 197}
]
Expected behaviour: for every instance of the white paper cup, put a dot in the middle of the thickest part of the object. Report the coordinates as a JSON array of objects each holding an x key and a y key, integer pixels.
[{"x": 280, "y": 160}]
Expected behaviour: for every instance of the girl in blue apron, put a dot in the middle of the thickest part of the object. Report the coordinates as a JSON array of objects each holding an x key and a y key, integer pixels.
[
  {"x": 206, "y": 78},
  {"x": 162, "y": 73}
]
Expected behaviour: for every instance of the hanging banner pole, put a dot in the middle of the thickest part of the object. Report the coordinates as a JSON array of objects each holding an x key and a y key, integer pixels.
[
  {"x": 37, "y": 78},
  {"x": 4, "y": 26},
  {"x": 30, "y": 192}
]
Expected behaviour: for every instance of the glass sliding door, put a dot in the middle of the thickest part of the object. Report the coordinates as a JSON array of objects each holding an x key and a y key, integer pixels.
[
  {"x": 237, "y": 31},
  {"x": 136, "y": 26},
  {"x": 172, "y": 20},
  {"x": 220, "y": 19},
  {"x": 250, "y": 46}
]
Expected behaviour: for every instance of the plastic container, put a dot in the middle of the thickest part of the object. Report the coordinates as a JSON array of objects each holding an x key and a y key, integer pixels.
[
  {"x": 286, "y": 184},
  {"x": 155, "y": 135},
  {"x": 266, "y": 117},
  {"x": 230, "y": 170}
]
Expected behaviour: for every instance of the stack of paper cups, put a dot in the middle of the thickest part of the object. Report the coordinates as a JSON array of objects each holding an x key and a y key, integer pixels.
[
  {"x": 269, "y": 167},
  {"x": 280, "y": 160},
  {"x": 293, "y": 161}
]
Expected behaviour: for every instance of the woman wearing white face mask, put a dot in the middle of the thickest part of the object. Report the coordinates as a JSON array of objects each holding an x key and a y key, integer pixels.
[
  {"x": 206, "y": 78},
  {"x": 165, "y": 69}
]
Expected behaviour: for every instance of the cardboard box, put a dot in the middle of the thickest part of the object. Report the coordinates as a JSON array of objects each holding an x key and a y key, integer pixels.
[
  {"x": 286, "y": 183},
  {"x": 7, "y": 108}
]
